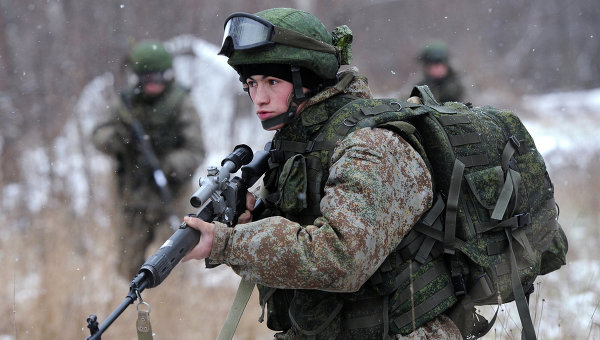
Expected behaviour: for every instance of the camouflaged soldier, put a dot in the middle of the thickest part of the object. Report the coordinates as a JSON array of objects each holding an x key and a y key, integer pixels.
[
  {"x": 338, "y": 204},
  {"x": 171, "y": 124},
  {"x": 443, "y": 81}
]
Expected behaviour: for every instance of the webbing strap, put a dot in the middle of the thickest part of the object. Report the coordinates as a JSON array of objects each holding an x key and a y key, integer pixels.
[
  {"x": 286, "y": 145},
  {"x": 424, "y": 250},
  {"x": 426, "y": 306},
  {"x": 423, "y": 280},
  {"x": 520, "y": 299},
  {"x": 349, "y": 123},
  {"x": 428, "y": 243},
  {"x": 454, "y": 119},
  {"x": 468, "y": 138},
  {"x": 434, "y": 212},
  {"x": 413, "y": 244},
  {"x": 452, "y": 206},
  {"x": 474, "y": 160},
  {"x": 237, "y": 308},
  {"x": 509, "y": 189},
  {"x": 391, "y": 107},
  {"x": 511, "y": 182},
  {"x": 370, "y": 111},
  {"x": 508, "y": 152}
]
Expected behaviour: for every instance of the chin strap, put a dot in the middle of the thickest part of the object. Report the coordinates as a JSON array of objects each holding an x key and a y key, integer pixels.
[
  {"x": 283, "y": 118},
  {"x": 298, "y": 97}
]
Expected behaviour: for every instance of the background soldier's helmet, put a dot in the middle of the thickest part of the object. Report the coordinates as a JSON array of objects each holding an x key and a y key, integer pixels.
[
  {"x": 150, "y": 56},
  {"x": 323, "y": 64},
  {"x": 434, "y": 52}
]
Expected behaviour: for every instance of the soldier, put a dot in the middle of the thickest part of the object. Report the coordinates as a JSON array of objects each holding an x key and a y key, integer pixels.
[
  {"x": 323, "y": 250},
  {"x": 155, "y": 167},
  {"x": 438, "y": 74}
]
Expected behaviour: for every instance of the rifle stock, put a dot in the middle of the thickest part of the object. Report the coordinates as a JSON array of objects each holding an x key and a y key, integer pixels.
[{"x": 211, "y": 196}]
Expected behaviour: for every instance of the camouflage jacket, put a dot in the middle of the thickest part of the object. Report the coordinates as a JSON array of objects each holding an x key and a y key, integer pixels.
[
  {"x": 172, "y": 126},
  {"x": 374, "y": 175}
]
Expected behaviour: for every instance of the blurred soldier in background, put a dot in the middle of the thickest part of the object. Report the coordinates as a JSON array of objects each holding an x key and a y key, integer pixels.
[
  {"x": 438, "y": 74},
  {"x": 154, "y": 135}
]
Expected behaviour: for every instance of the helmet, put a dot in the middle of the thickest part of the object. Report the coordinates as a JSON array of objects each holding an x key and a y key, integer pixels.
[
  {"x": 150, "y": 56},
  {"x": 434, "y": 52},
  {"x": 285, "y": 36}
]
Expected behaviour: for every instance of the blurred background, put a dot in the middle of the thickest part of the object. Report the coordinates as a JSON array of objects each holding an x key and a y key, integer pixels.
[{"x": 60, "y": 61}]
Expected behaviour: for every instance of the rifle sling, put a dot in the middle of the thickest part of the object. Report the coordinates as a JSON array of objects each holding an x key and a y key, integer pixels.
[{"x": 237, "y": 308}]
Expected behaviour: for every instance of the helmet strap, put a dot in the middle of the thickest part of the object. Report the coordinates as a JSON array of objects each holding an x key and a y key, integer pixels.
[
  {"x": 299, "y": 95},
  {"x": 283, "y": 118}
]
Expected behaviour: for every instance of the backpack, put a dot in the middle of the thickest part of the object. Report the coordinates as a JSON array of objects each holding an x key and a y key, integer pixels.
[{"x": 494, "y": 217}]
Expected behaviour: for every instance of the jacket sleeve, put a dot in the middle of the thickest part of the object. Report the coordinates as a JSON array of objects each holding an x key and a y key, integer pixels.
[
  {"x": 181, "y": 163},
  {"x": 377, "y": 189},
  {"x": 112, "y": 136}
]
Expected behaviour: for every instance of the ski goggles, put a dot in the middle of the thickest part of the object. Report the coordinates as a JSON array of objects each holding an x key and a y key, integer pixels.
[{"x": 245, "y": 31}]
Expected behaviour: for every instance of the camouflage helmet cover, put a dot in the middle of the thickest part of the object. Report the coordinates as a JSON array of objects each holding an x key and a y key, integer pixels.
[
  {"x": 324, "y": 65},
  {"x": 150, "y": 56},
  {"x": 434, "y": 52}
]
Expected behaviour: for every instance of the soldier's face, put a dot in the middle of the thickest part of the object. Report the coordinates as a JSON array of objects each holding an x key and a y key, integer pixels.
[
  {"x": 152, "y": 84},
  {"x": 271, "y": 96},
  {"x": 153, "y": 89},
  {"x": 437, "y": 70}
]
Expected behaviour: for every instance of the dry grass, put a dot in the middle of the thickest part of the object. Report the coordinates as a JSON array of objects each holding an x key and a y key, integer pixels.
[{"x": 57, "y": 269}]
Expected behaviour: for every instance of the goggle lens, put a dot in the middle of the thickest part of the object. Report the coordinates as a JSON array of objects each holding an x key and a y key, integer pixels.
[{"x": 246, "y": 32}]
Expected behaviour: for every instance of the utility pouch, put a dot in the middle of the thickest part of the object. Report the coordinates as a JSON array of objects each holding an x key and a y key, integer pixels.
[{"x": 292, "y": 185}]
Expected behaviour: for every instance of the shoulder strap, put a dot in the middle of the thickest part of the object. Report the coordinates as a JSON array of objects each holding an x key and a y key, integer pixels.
[{"x": 362, "y": 113}]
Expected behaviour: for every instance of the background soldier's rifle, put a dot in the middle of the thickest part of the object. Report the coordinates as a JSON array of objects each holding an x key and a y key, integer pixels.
[
  {"x": 220, "y": 199},
  {"x": 143, "y": 142}
]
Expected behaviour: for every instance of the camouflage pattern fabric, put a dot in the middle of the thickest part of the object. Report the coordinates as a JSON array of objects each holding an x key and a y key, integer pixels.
[
  {"x": 447, "y": 89},
  {"x": 440, "y": 328},
  {"x": 374, "y": 174},
  {"x": 173, "y": 126}
]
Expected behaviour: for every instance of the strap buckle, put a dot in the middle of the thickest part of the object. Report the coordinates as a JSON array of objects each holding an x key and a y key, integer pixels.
[
  {"x": 309, "y": 146},
  {"x": 515, "y": 142},
  {"x": 460, "y": 287},
  {"x": 523, "y": 219}
]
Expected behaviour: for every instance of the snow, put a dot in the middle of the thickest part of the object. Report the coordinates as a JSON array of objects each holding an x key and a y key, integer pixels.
[{"x": 565, "y": 123}]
